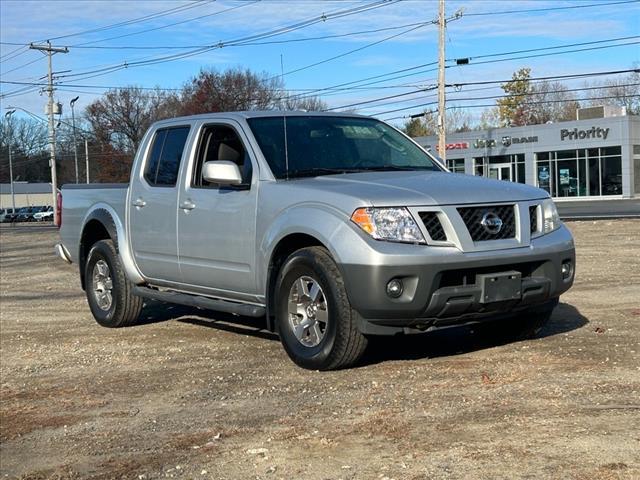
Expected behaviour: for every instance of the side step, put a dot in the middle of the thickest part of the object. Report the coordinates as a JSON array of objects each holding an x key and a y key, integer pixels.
[{"x": 245, "y": 309}]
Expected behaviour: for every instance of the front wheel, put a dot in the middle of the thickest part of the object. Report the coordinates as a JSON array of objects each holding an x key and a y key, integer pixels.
[
  {"x": 315, "y": 321},
  {"x": 109, "y": 292}
]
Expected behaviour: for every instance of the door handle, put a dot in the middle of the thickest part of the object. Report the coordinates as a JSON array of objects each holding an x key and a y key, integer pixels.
[
  {"x": 139, "y": 203},
  {"x": 187, "y": 205}
]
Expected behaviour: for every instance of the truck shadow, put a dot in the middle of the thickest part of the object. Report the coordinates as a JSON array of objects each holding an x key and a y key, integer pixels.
[
  {"x": 461, "y": 340},
  {"x": 154, "y": 312},
  {"x": 440, "y": 343}
]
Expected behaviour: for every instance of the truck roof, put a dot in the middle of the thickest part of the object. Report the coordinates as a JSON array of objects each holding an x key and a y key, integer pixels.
[{"x": 243, "y": 115}]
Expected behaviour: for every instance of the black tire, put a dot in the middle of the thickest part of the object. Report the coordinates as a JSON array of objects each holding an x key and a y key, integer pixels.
[
  {"x": 342, "y": 344},
  {"x": 124, "y": 309},
  {"x": 522, "y": 326}
]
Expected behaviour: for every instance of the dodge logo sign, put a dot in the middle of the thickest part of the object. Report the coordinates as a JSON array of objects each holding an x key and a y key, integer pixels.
[{"x": 491, "y": 223}]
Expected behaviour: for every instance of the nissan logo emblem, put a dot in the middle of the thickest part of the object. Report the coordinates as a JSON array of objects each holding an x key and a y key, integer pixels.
[{"x": 491, "y": 223}]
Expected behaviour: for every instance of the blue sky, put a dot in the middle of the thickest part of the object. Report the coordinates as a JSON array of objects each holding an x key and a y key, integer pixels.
[{"x": 472, "y": 36}]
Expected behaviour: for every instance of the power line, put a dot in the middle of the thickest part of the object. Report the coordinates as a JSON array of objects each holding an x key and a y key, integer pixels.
[
  {"x": 458, "y": 85},
  {"x": 162, "y": 13},
  {"x": 23, "y": 65},
  {"x": 415, "y": 69},
  {"x": 278, "y": 31},
  {"x": 161, "y": 27},
  {"x": 349, "y": 52},
  {"x": 549, "y": 9},
  {"x": 272, "y": 42},
  {"x": 495, "y": 97},
  {"x": 514, "y": 52}
]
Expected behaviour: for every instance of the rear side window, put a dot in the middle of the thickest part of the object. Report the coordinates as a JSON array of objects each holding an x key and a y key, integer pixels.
[{"x": 163, "y": 162}]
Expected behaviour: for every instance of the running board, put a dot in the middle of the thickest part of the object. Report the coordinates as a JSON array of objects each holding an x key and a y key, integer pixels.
[{"x": 244, "y": 309}]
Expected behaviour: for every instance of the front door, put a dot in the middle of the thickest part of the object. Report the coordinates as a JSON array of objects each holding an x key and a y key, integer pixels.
[
  {"x": 500, "y": 171},
  {"x": 153, "y": 203},
  {"x": 216, "y": 224}
]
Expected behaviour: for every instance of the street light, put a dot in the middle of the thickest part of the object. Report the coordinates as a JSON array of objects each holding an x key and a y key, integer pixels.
[
  {"x": 73, "y": 123},
  {"x": 9, "y": 137}
]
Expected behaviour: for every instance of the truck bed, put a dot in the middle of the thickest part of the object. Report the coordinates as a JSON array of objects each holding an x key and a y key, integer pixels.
[{"x": 77, "y": 200}]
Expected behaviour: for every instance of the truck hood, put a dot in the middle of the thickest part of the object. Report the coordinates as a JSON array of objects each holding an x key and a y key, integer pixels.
[{"x": 413, "y": 188}]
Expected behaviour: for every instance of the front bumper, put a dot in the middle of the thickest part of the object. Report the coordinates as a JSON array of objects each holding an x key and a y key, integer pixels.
[{"x": 441, "y": 287}]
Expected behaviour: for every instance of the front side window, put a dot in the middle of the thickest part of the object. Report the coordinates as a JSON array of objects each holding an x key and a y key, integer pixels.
[
  {"x": 220, "y": 142},
  {"x": 300, "y": 146},
  {"x": 163, "y": 163}
]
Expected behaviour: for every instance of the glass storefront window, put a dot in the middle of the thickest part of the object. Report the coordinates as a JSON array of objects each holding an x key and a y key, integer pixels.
[
  {"x": 543, "y": 176},
  {"x": 594, "y": 176},
  {"x": 456, "y": 165},
  {"x": 567, "y": 178},
  {"x": 609, "y": 151},
  {"x": 611, "y": 168},
  {"x": 579, "y": 173},
  {"x": 501, "y": 167}
]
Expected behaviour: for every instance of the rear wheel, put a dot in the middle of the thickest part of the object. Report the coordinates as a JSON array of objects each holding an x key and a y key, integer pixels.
[
  {"x": 315, "y": 321},
  {"x": 109, "y": 292}
]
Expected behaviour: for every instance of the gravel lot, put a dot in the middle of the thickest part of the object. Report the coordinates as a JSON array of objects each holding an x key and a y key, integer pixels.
[{"x": 191, "y": 394}]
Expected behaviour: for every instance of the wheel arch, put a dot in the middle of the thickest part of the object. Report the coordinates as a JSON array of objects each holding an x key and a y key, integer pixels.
[
  {"x": 98, "y": 226},
  {"x": 285, "y": 247}
]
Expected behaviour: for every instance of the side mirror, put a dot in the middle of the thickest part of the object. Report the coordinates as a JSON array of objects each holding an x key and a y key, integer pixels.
[{"x": 221, "y": 172}]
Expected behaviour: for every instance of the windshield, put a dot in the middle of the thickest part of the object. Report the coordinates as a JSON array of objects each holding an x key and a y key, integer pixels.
[{"x": 325, "y": 145}]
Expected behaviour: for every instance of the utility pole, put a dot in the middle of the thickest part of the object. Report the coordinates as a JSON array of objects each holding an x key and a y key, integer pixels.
[
  {"x": 9, "y": 127},
  {"x": 75, "y": 143},
  {"x": 442, "y": 142},
  {"x": 49, "y": 51},
  {"x": 86, "y": 157}
]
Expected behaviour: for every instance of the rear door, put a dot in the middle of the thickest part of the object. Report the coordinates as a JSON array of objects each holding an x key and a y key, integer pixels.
[
  {"x": 216, "y": 224},
  {"x": 153, "y": 203}
]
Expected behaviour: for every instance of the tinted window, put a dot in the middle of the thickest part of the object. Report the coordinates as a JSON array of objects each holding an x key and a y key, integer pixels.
[
  {"x": 163, "y": 163},
  {"x": 315, "y": 145}
]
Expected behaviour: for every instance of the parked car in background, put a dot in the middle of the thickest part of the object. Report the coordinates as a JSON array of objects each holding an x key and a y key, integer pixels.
[
  {"x": 27, "y": 214},
  {"x": 4, "y": 213},
  {"x": 46, "y": 214},
  {"x": 13, "y": 217}
]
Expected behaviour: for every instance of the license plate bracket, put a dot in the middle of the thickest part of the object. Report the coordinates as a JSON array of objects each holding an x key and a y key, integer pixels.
[{"x": 498, "y": 287}]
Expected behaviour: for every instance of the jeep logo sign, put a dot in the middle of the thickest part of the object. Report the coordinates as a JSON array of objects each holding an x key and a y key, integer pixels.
[{"x": 506, "y": 141}]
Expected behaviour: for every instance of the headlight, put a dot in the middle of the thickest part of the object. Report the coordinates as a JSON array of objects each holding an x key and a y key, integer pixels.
[
  {"x": 392, "y": 224},
  {"x": 550, "y": 217}
]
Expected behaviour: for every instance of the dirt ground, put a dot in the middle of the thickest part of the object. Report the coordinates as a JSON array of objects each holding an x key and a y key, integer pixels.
[{"x": 195, "y": 395}]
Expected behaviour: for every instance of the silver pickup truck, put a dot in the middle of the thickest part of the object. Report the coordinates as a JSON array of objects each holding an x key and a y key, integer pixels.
[{"x": 335, "y": 228}]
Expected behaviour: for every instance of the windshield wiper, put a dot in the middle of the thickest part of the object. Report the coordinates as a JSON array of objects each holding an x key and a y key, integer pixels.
[{"x": 316, "y": 171}]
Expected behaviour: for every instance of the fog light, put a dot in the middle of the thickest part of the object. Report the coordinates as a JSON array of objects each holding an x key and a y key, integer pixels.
[
  {"x": 567, "y": 270},
  {"x": 395, "y": 288}
]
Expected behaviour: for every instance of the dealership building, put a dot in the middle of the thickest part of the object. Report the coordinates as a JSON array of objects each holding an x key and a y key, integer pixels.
[{"x": 587, "y": 158}]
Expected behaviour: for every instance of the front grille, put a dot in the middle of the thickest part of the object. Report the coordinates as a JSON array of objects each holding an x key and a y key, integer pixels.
[
  {"x": 467, "y": 276},
  {"x": 433, "y": 226},
  {"x": 533, "y": 218},
  {"x": 473, "y": 218}
]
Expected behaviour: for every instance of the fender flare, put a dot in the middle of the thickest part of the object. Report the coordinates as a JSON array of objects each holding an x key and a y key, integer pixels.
[{"x": 108, "y": 218}]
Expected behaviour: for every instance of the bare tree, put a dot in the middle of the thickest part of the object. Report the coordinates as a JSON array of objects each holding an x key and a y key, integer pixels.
[
  {"x": 309, "y": 104},
  {"x": 623, "y": 91},
  {"x": 29, "y": 150},
  {"x": 121, "y": 117},
  {"x": 457, "y": 120},
  {"x": 551, "y": 102},
  {"x": 232, "y": 90}
]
